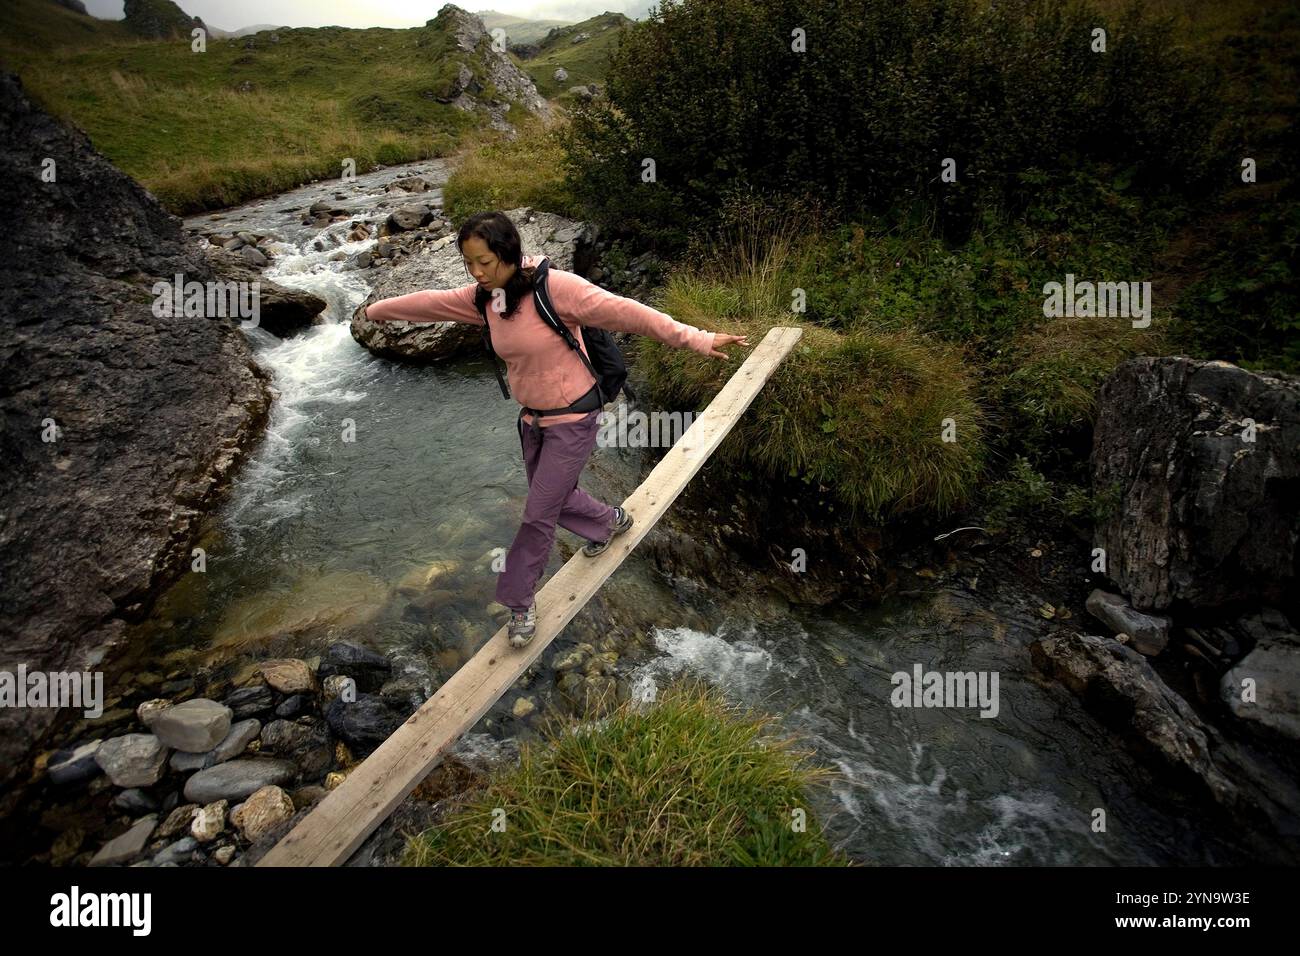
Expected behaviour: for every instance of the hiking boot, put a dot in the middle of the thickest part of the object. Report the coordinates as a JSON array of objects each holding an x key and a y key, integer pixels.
[
  {"x": 522, "y": 626},
  {"x": 622, "y": 522}
]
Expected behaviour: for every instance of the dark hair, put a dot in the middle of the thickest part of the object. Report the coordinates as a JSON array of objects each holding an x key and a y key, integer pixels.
[{"x": 501, "y": 236}]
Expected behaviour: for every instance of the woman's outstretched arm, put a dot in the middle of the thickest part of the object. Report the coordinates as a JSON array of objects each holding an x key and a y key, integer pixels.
[
  {"x": 586, "y": 303},
  {"x": 428, "y": 305}
]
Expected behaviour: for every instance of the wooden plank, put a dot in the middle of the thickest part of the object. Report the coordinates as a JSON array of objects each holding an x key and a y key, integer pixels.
[{"x": 340, "y": 823}]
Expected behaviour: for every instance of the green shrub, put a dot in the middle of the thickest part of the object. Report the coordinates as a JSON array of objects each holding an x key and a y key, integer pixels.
[{"x": 884, "y": 91}]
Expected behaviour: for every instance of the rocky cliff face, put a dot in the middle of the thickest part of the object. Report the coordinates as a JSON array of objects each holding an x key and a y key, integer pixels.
[{"x": 119, "y": 428}]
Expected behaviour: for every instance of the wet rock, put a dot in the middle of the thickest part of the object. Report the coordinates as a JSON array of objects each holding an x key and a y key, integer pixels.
[
  {"x": 95, "y": 241},
  {"x": 149, "y": 710},
  {"x": 236, "y": 779},
  {"x": 178, "y": 821},
  {"x": 368, "y": 668},
  {"x": 127, "y": 846},
  {"x": 134, "y": 802},
  {"x": 294, "y": 706},
  {"x": 250, "y": 701},
  {"x": 1209, "y": 504},
  {"x": 195, "y": 726},
  {"x": 132, "y": 760},
  {"x": 224, "y": 854},
  {"x": 232, "y": 745},
  {"x": 74, "y": 764},
  {"x": 1148, "y": 633},
  {"x": 406, "y": 217},
  {"x": 177, "y": 853},
  {"x": 336, "y": 685},
  {"x": 307, "y": 796},
  {"x": 288, "y": 675},
  {"x": 254, "y": 257},
  {"x": 262, "y": 812},
  {"x": 307, "y": 745},
  {"x": 209, "y": 822},
  {"x": 1264, "y": 686},
  {"x": 363, "y": 724},
  {"x": 281, "y": 310},
  {"x": 1120, "y": 687}
]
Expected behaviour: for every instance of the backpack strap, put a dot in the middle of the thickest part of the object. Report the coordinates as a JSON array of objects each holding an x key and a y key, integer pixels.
[{"x": 546, "y": 310}]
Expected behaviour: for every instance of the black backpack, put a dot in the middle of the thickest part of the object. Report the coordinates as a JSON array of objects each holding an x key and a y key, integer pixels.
[{"x": 606, "y": 363}]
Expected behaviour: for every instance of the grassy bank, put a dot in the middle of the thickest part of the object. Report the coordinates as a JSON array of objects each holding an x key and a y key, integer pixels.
[
  {"x": 690, "y": 780},
  {"x": 248, "y": 117}
]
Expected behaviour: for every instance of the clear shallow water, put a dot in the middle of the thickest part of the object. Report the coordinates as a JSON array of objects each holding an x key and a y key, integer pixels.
[{"x": 318, "y": 534}]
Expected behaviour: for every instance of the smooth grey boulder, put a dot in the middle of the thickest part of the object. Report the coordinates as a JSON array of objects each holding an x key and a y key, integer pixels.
[
  {"x": 237, "y": 779},
  {"x": 1149, "y": 633},
  {"x": 194, "y": 726}
]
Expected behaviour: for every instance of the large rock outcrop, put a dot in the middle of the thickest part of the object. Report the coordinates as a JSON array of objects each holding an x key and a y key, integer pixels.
[
  {"x": 441, "y": 266},
  {"x": 474, "y": 43},
  {"x": 1210, "y": 504},
  {"x": 159, "y": 20},
  {"x": 149, "y": 416}
]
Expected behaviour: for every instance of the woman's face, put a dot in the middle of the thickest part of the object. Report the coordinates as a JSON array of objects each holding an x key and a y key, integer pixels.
[{"x": 483, "y": 264}]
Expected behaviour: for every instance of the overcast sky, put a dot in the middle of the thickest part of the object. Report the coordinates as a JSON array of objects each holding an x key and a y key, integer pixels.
[{"x": 233, "y": 14}]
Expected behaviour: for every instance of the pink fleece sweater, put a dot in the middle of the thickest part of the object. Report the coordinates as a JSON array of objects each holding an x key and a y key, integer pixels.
[{"x": 543, "y": 371}]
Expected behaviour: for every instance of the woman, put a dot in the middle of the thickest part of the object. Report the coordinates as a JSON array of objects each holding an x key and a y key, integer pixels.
[{"x": 544, "y": 373}]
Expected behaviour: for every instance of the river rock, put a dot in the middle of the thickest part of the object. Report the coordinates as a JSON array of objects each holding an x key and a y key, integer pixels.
[
  {"x": 209, "y": 822},
  {"x": 74, "y": 764},
  {"x": 223, "y": 854},
  {"x": 562, "y": 240},
  {"x": 338, "y": 685},
  {"x": 236, "y": 779},
  {"x": 406, "y": 217},
  {"x": 127, "y": 846},
  {"x": 100, "y": 520},
  {"x": 1274, "y": 667},
  {"x": 176, "y": 853},
  {"x": 294, "y": 706},
  {"x": 178, "y": 821},
  {"x": 132, "y": 760},
  {"x": 194, "y": 726},
  {"x": 250, "y": 701},
  {"x": 134, "y": 801},
  {"x": 234, "y": 744},
  {"x": 1207, "y": 517},
  {"x": 1119, "y": 686},
  {"x": 1149, "y": 633},
  {"x": 149, "y": 710},
  {"x": 288, "y": 675},
  {"x": 363, "y": 724},
  {"x": 262, "y": 812},
  {"x": 368, "y": 668},
  {"x": 282, "y": 311}
]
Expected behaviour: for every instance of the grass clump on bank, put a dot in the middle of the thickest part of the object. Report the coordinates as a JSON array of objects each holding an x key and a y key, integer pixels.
[
  {"x": 689, "y": 780},
  {"x": 493, "y": 172}
]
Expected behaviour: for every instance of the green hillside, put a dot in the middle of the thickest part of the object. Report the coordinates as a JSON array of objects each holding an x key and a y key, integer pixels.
[
  {"x": 249, "y": 116},
  {"x": 585, "y": 61}
]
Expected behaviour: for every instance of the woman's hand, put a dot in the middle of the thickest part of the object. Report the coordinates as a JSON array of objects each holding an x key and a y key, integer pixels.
[{"x": 721, "y": 338}]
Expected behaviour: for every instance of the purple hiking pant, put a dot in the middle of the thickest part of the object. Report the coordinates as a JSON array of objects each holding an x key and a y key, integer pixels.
[{"x": 554, "y": 457}]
